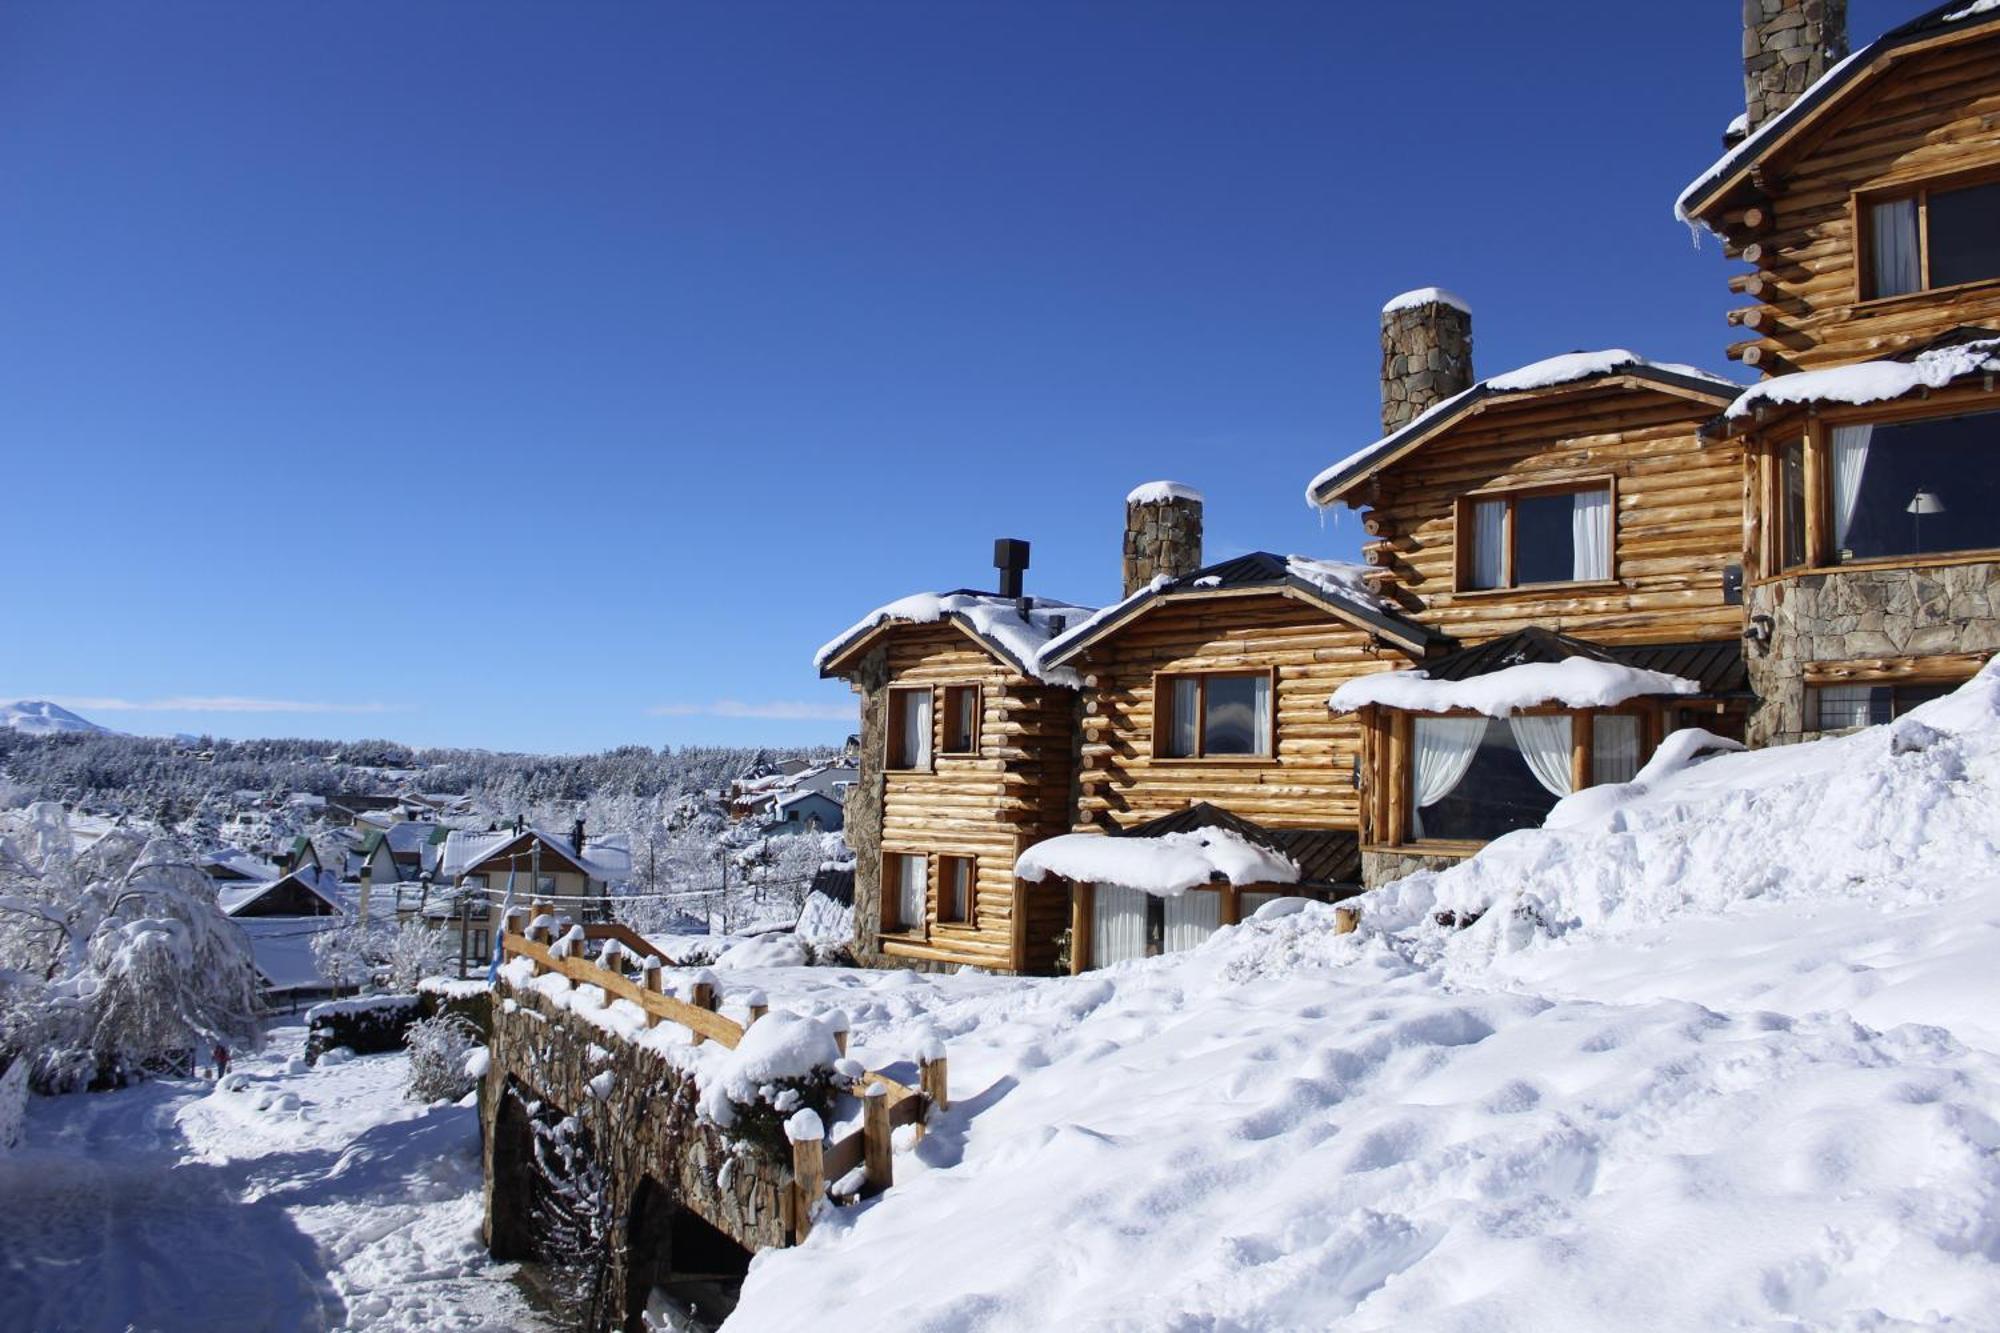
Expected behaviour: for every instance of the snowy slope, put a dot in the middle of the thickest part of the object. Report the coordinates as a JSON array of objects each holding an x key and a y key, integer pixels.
[
  {"x": 38, "y": 717},
  {"x": 1721, "y": 1051}
]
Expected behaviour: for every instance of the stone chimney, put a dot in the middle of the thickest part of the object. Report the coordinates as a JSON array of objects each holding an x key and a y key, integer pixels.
[
  {"x": 1787, "y": 45},
  {"x": 1426, "y": 353},
  {"x": 1162, "y": 533}
]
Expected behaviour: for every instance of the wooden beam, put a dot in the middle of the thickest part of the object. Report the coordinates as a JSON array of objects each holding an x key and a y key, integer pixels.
[{"x": 1082, "y": 915}]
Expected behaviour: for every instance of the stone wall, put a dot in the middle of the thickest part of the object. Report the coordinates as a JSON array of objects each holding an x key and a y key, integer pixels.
[
  {"x": 1857, "y": 615},
  {"x": 1787, "y": 46},
  {"x": 1426, "y": 358},
  {"x": 1384, "y": 867},
  {"x": 1161, "y": 537},
  {"x": 862, "y": 813}
]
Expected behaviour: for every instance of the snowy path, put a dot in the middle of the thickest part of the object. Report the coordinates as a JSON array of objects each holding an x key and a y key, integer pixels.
[{"x": 335, "y": 1204}]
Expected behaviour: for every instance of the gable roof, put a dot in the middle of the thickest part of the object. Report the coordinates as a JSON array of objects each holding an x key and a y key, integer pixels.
[
  {"x": 1572, "y": 370},
  {"x": 1333, "y": 586},
  {"x": 235, "y": 899},
  {"x": 1953, "y": 21},
  {"x": 993, "y": 622},
  {"x": 465, "y": 852}
]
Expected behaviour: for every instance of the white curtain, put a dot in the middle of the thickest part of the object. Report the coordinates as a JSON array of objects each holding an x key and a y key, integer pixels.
[
  {"x": 1590, "y": 526},
  {"x": 1443, "y": 750},
  {"x": 1260, "y": 716},
  {"x": 1892, "y": 248},
  {"x": 1614, "y": 748},
  {"x": 1850, "y": 461},
  {"x": 910, "y": 892},
  {"x": 916, "y": 728},
  {"x": 1186, "y": 716},
  {"x": 1844, "y": 706},
  {"x": 1546, "y": 744},
  {"x": 1117, "y": 925},
  {"x": 954, "y": 872},
  {"x": 1192, "y": 918},
  {"x": 1489, "y": 543}
]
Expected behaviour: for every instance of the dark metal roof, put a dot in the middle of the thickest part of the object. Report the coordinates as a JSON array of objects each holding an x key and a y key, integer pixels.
[
  {"x": 1706, "y": 192},
  {"x": 1716, "y": 666},
  {"x": 835, "y": 883},
  {"x": 1258, "y": 569},
  {"x": 1323, "y": 856}
]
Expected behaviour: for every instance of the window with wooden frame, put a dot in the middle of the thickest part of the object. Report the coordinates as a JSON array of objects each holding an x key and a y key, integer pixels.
[
  {"x": 1941, "y": 234},
  {"x": 958, "y": 878},
  {"x": 1530, "y": 537},
  {"x": 1868, "y": 704},
  {"x": 905, "y": 886},
  {"x": 909, "y": 727},
  {"x": 961, "y": 720},
  {"x": 1215, "y": 715}
]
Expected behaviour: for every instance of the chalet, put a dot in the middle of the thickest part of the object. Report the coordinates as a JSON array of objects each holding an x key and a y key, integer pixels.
[
  {"x": 374, "y": 863},
  {"x": 300, "y": 854},
  {"x": 297, "y": 893},
  {"x": 1867, "y": 205},
  {"x": 475, "y": 871},
  {"x": 281, "y": 917},
  {"x": 966, "y": 761}
]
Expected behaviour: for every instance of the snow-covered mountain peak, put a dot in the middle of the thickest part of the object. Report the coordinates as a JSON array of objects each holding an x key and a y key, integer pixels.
[{"x": 39, "y": 717}]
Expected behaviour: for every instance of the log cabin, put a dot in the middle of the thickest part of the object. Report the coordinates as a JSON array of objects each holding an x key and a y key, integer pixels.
[
  {"x": 967, "y": 759},
  {"x": 1866, "y": 202}
]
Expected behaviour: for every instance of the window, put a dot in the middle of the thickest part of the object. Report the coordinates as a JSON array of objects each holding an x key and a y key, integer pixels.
[
  {"x": 1214, "y": 716},
  {"x": 1839, "y": 707},
  {"x": 956, "y": 878},
  {"x": 1913, "y": 488},
  {"x": 1792, "y": 505},
  {"x": 1932, "y": 238},
  {"x": 1514, "y": 541},
  {"x": 1614, "y": 748},
  {"x": 910, "y": 727},
  {"x": 1475, "y": 778},
  {"x": 961, "y": 719},
  {"x": 903, "y": 892}
]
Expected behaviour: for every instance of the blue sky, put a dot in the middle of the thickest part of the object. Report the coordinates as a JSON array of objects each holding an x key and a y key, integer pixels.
[{"x": 556, "y": 376}]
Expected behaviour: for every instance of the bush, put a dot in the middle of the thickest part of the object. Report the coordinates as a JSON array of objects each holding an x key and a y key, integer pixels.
[
  {"x": 440, "y": 1049},
  {"x": 365, "y": 1027}
]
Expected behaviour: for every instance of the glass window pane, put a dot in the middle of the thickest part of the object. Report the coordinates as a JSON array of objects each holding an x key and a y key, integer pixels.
[
  {"x": 1489, "y": 543},
  {"x": 1844, "y": 706},
  {"x": 1894, "y": 257},
  {"x": 1965, "y": 235},
  {"x": 1614, "y": 743},
  {"x": 1498, "y": 793},
  {"x": 1926, "y": 487},
  {"x": 1544, "y": 539},
  {"x": 1907, "y": 697},
  {"x": 909, "y": 892},
  {"x": 961, "y": 719},
  {"x": 1239, "y": 711},
  {"x": 1792, "y": 498},
  {"x": 1184, "y": 716}
]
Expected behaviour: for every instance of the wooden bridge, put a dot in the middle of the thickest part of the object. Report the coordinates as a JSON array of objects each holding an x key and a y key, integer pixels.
[{"x": 599, "y": 1169}]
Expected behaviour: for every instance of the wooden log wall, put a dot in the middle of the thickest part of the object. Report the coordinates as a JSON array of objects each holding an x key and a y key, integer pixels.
[
  {"x": 1935, "y": 114},
  {"x": 1307, "y": 784},
  {"x": 1679, "y": 522}
]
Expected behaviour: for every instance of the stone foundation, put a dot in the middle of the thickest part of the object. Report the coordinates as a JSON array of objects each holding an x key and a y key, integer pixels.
[
  {"x": 1384, "y": 867},
  {"x": 1858, "y": 615}
]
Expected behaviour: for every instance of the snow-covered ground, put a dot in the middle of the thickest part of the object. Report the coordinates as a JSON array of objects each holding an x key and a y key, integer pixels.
[
  {"x": 1723, "y": 1051},
  {"x": 291, "y": 1198}
]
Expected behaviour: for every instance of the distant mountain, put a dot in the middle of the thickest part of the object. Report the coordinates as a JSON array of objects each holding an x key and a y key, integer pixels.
[{"x": 38, "y": 717}]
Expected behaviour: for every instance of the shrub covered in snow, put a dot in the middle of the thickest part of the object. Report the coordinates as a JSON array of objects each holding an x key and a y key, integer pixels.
[
  {"x": 783, "y": 1065},
  {"x": 367, "y": 1026},
  {"x": 441, "y": 1054}
]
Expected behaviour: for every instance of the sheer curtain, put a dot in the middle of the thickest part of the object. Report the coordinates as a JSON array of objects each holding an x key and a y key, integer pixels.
[
  {"x": 1590, "y": 526},
  {"x": 1489, "y": 543},
  {"x": 1892, "y": 248},
  {"x": 1850, "y": 462},
  {"x": 1260, "y": 716},
  {"x": 1117, "y": 925},
  {"x": 1614, "y": 748},
  {"x": 1191, "y": 918},
  {"x": 1546, "y": 744},
  {"x": 1186, "y": 716},
  {"x": 910, "y": 892},
  {"x": 916, "y": 728},
  {"x": 1443, "y": 750}
]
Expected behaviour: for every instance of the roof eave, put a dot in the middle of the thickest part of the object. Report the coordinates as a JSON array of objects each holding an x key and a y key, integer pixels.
[{"x": 1384, "y": 627}]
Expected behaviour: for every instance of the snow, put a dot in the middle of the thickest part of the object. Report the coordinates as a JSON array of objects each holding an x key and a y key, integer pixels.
[
  {"x": 1576, "y": 682},
  {"x": 464, "y": 850},
  {"x": 779, "y": 949},
  {"x": 993, "y": 618},
  {"x": 1423, "y": 296},
  {"x": 360, "y": 1004},
  {"x": 805, "y": 1126},
  {"x": 1872, "y": 381},
  {"x": 1159, "y": 492},
  {"x": 1165, "y": 867},
  {"x": 778, "y": 1046},
  {"x": 1770, "y": 129},
  {"x": 39, "y": 717}
]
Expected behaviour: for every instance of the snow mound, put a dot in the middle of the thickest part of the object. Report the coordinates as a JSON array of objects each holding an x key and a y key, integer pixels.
[
  {"x": 1872, "y": 381},
  {"x": 1158, "y": 492},
  {"x": 781, "y": 949},
  {"x": 1165, "y": 867},
  {"x": 1424, "y": 296},
  {"x": 780, "y": 1046},
  {"x": 1575, "y": 682}
]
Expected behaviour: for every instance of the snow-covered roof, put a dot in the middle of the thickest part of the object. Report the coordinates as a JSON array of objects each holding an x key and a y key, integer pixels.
[
  {"x": 1157, "y": 492},
  {"x": 238, "y": 864},
  {"x": 1551, "y": 372},
  {"x": 281, "y": 948},
  {"x": 1423, "y": 296},
  {"x": 235, "y": 898},
  {"x": 1872, "y": 381},
  {"x": 993, "y": 620},
  {"x": 1576, "y": 682},
  {"x": 465, "y": 851},
  {"x": 1165, "y": 866},
  {"x": 1705, "y": 190}
]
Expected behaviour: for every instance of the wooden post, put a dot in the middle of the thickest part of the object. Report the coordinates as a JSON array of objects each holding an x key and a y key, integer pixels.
[
  {"x": 837, "y": 1020},
  {"x": 1346, "y": 920},
  {"x": 808, "y": 1183},
  {"x": 931, "y": 1076},
  {"x": 702, "y": 996},
  {"x": 1232, "y": 904},
  {"x": 1581, "y": 742},
  {"x": 875, "y": 1138},
  {"x": 759, "y": 1006},
  {"x": 650, "y": 978},
  {"x": 1082, "y": 912}
]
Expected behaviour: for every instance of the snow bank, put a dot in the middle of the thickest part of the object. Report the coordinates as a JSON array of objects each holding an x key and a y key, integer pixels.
[
  {"x": 1157, "y": 492},
  {"x": 1872, "y": 381},
  {"x": 781, "y": 949},
  {"x": 361, "y": 1004},
  {"x": 1166, "y": 866},
  {"x": 994, "y": 619},
  {"x": 1576, "y": 682},
  {"x": 1423, "y": 296}
]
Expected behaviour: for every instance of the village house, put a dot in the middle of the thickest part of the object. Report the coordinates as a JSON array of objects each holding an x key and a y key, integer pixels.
[{"x": 476, "y": 871}]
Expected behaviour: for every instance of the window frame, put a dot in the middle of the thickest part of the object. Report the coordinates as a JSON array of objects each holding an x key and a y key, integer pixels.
[
  {"x": 1859, "y": 203},
  {"x": 1164, "y": 719},
  {"x": 890, "y": 893},
  {"x": 950, "y": 693},
  {"x": 893, "y": 746},
  {"x": 1462, "y": 534},
  {"x": 969, "y": 918}
]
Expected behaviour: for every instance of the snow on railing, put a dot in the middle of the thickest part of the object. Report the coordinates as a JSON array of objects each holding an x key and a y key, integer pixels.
[{"x": 855, "y": 1166}]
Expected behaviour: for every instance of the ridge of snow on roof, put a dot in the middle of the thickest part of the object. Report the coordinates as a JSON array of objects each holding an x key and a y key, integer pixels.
[
  {"x": 1548, "y": 373},
  {"x": 464, "y": 849},
  {"x": 1423, "y": 296},
  {"x": 1165, "y": 867},
  {"x": 1873, "y": 381},
  {"x": 1156, "y": 492},
  {"x": 1576, "y": 682},
  {"x": 994, "y": 618}
]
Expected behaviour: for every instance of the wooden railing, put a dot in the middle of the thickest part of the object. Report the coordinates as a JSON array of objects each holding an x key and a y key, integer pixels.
[{"x": 817, "y": 1165}]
